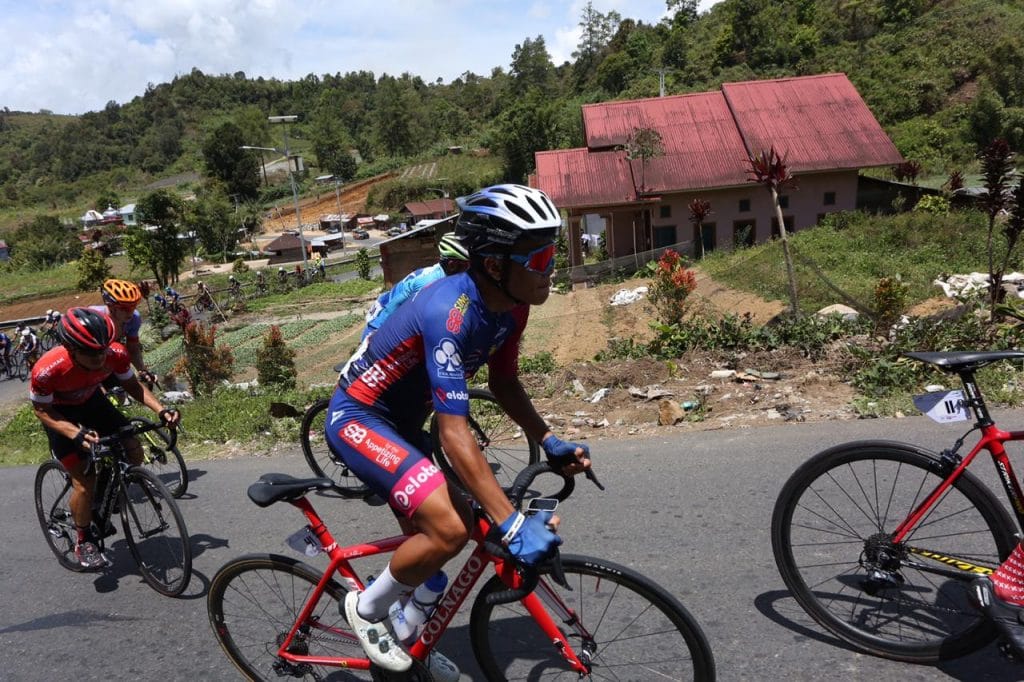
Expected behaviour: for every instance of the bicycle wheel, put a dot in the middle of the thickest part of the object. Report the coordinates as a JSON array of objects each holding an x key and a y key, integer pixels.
[
  {"x": 166, "y": 463},
  {"x": 22, "y": 368},
  {"x": 508, "y": 450},
  {"x": 318, "y": 454},
  {"x": 156, "y": 532},
  {"x": 907, "y": 601},
  {"x": 253, "y": 603},
  {"x": 52, "y": 495},
  {"x": 626, "y": 625}
]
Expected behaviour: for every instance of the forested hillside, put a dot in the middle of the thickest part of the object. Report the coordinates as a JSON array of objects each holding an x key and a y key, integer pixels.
[{"x": 942, "y": 76}]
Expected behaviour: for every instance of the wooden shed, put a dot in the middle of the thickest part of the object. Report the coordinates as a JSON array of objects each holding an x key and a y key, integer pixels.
[{"x": 414, "y": 249}]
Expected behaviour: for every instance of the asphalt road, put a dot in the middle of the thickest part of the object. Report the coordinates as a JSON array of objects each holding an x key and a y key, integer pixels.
[{"x": 691, "y": 512}]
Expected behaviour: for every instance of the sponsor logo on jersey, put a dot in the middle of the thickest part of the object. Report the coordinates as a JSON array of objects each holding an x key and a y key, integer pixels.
[
  {"x": 373, "y": 446},
  {"x": 444, "y": 396},
  {"x": 448, "y": 359},
  {"x": 419, "y": 482},
  {"x": 457, "y": 314},
  {"x": 335, "y": 416}
]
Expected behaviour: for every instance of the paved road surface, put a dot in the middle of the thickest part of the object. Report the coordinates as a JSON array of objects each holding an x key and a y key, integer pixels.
[{"x": 691, "y": 511}]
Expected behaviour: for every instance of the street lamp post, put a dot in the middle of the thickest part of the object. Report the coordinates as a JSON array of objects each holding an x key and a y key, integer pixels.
[
  {"x": 337, "y": 197},
  {"x": 444, "y": 196},
  {"x": 291, "y": 176}
]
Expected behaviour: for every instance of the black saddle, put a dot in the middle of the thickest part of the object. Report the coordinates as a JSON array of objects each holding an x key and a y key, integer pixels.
[
  {"x": 273, "y": 488},
  {"x": 966, "y": 361}
]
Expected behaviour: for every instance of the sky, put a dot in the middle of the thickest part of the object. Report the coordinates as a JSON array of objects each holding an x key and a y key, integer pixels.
[{"x": 74, "y": 56}]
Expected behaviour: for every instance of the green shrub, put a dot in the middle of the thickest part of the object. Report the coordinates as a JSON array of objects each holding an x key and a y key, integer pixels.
[
  {"x": 541, "y": 363},
  {"x": 933, "y": 203},
  {"x": 92, "y": 269},
  {"x": 204, "y": 363},
  {"x": 275, "y": 362},
  {"x": 240, "y": 267}
]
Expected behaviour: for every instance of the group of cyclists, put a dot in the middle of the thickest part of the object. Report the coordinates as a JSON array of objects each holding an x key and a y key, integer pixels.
[
  {"x": 26, "y": 342},
  {"x": 424, "y": 341}
]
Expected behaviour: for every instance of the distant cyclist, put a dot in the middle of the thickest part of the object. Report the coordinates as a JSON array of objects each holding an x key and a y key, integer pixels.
[
  {"x": 261, "y": 281},
  {"x": 52, "y": 318},
  {"x": 121, "y": 300},
  {"x": 29, "y": 345},
  {"x": 454, "y": 259},
  {"x": 173, "y": 297},
  {"x": 75, "y": 414},
  {"x": 5, "y": 349}
]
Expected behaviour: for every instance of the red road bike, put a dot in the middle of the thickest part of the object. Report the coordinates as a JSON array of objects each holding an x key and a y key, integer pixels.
[
  {"x": 879, "y": 540},
  {"x": 277, "y": 617}
]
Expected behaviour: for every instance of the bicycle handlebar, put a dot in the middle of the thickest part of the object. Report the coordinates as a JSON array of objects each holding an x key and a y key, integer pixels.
[
  {"x": 109, "y": 442},
  {"x": 531, "y": 574}
]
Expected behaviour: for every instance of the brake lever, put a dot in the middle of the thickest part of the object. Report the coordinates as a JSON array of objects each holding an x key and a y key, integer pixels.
[
  {"x": 593, "y": 478},
  {"x": 557, "y": 573}
]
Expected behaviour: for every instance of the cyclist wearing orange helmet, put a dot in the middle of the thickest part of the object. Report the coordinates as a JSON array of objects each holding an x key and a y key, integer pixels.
[{"x": 121, "y": 299}]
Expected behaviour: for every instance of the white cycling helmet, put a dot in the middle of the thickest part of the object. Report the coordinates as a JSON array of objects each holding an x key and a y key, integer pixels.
[
  {"x": 25, "y": 332},
  {"x": 49, "y": 312},
  {"x": 500, "y": 215}
]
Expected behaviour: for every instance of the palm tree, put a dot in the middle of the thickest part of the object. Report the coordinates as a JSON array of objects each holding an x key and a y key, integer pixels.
[
  {"x": 699, "y": 210},
  {"x": 769, "y": 169}
]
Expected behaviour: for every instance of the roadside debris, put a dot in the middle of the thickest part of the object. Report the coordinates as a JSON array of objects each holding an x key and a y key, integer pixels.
[
  {"x": 627, "y": 296},
  {"x": 649, "y": 392}
]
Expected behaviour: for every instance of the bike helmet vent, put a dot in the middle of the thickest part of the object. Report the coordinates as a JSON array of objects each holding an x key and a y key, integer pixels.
[
  {"x": 85, "y": 329},
  {"x": 503, "y": 214},
  {"x": 116, "y": 291}
]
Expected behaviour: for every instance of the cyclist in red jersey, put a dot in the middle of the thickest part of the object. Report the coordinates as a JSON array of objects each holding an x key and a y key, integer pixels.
[{"x": 74, "y": 413}]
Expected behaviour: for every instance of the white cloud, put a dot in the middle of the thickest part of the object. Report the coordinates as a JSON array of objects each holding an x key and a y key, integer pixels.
[{"x": 72, "y": 56}]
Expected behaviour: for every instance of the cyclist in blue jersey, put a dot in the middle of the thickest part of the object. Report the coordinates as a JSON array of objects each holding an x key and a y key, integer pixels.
[
  {"x": 6, "y": 345},
  {"x": 454, "y": 259},
  {"x": 120, "y": 301},
  {"x": 420, "y": 360}
]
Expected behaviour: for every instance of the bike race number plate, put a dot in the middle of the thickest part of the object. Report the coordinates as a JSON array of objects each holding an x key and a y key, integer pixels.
[{"x": 943, "y": 407}]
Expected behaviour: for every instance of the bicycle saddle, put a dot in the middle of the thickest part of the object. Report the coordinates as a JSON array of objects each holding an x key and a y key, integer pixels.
[
  {"x": 273, "y": 488},
  {"x": 960, "y": 361}
]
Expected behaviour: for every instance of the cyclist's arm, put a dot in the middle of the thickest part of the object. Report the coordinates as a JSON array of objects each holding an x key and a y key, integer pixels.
[
  {"x": 139, "y": 392},
  {"x": 53, "y": 420},
  {"x": 471, "y": 466}
]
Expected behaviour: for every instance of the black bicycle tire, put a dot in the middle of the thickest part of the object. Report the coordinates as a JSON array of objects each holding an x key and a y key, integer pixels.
[
  {"x": 499, "y": 461},
  {"x": 823, "y": 464},
  {"x": 223, "y": 627},
  {"x": 180, "y": 486},
  {"x": 483, "y": 627},
  {"x": 156, "y": 489},
  {"x": 66, "y": 553},
  {"x": 319, "y": 458},
  {"x": 22, "y": 367}
]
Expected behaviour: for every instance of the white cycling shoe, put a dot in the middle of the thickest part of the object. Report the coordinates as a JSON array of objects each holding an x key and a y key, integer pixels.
[
  {"x": 376, "y": 639},
  {"x": 441, "y": 669}
]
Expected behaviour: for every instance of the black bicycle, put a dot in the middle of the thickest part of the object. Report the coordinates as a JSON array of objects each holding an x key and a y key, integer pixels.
[
  {"x": 508, "y": 450},
  {"x": 153, "y": 526}
]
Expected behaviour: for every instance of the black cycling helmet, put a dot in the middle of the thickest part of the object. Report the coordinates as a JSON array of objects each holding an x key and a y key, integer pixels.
[
  {"x": 85, "y": 329},
  {"x": 495, "y": 218}
]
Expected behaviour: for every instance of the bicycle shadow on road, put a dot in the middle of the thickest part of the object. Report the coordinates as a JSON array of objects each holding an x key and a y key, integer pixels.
[{"x": 779, "y": 607}]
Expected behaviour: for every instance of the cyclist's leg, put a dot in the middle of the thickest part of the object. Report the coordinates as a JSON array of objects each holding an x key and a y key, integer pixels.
[{"x": 1001, "y": 598}]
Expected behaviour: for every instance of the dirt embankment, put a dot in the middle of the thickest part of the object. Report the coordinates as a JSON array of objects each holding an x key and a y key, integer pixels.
[{"x": 352, "y": 198}]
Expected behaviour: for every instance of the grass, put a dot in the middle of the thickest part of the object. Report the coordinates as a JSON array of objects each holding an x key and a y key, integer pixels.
[
  {"x": 22, "y": 285},
  {"x": 854, "y": 252}
]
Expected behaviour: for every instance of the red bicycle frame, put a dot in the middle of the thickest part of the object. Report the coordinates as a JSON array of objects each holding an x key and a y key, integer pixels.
[{"x": 450, "y": 603}]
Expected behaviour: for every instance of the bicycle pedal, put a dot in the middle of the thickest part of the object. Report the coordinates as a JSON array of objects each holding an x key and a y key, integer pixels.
[{"x": 1007, "y": 651}]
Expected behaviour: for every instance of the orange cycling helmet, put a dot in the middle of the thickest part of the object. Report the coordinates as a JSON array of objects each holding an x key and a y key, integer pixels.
[{"x": 119, "y": 291}]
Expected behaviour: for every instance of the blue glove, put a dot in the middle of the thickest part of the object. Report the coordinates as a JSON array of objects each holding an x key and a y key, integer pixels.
[
  {"x": 528, "y": 538},
  {"x": 561, "y": 453}
]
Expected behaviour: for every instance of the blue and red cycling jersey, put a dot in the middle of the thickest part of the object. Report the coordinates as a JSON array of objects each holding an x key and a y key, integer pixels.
[
  {"x": 406, "y": 288},
  {"x": 427, "y": 349}
]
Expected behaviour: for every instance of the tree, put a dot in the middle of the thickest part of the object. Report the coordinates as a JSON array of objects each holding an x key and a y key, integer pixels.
[
  {"x": 530, "y": 124},
  {"x": 213, "y": 221},
  {"x": 996, "y": 168},
  {"x": 160, "y": 250},
  {"x": 226, "y": 161},
  {"x": 700, "y": 209},
  {"x": 93, "y": 269},
  {"x": 107, "y": 198},
  {"x": 682, "y": 13},
  {"x": 42, "y": 244},
  {"x": 769, "y": 169},
  {"x": 398, "y": 126},
  {"x": 275, "y": 361},
  {"x": 204, "y": 364},
  {"x": 597, "y": 30},
  {"x": 531, "y": 67},
  {"x": 644, "y": 144}
]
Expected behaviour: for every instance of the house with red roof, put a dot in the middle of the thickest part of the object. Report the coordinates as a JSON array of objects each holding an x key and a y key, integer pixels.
[{"x": 820, "y": 124}]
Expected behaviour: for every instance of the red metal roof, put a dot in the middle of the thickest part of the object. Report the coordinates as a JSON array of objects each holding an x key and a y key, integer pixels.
[
  {"x": 429, "y": 207},
  {"x": 817, "y": 122},
  {"x": 821, "y": 122}
]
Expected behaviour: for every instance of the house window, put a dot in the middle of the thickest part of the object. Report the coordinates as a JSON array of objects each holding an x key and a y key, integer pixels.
[
  {"x": 783, "y": 201},
  {"x": 744, "y": 233},
  {"x": 829, "y": 199},
  {"x": 744, "y": 205},
  {"x": 664, "y": 235},
  {"x": 665, "y": 211}
]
